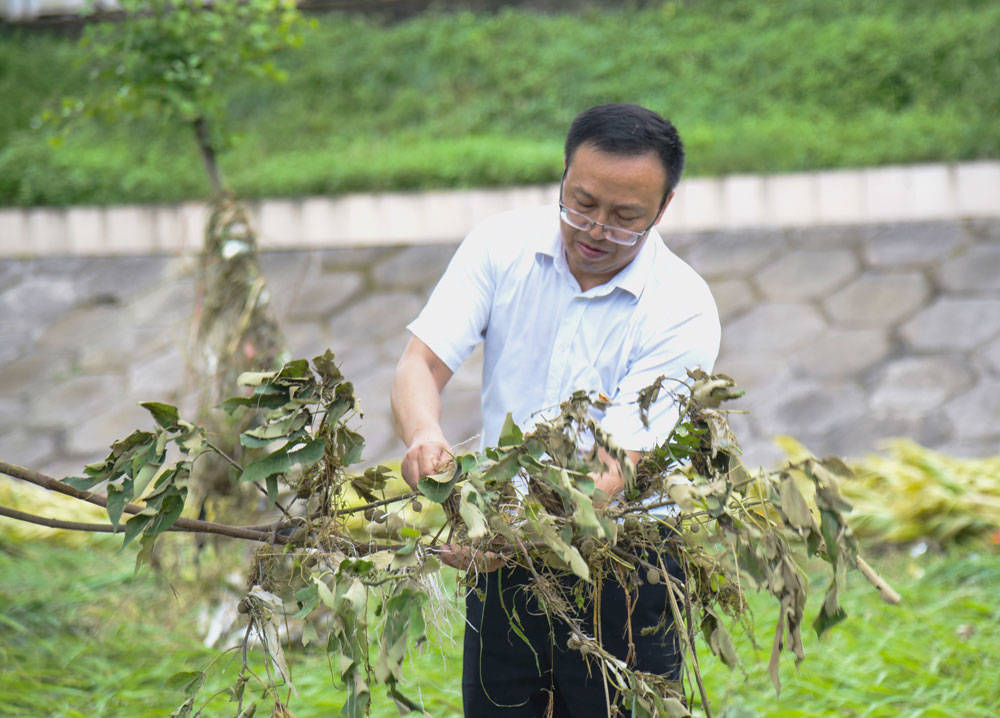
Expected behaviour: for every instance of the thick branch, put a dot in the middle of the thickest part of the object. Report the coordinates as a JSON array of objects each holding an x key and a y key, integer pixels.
[
  {"x": 57, "y": 523},
  {"x": 231, "y": 531},
  {"x": 182, "y": 524}
]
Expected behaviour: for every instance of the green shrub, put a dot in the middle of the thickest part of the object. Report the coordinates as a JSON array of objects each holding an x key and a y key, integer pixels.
[{"x": 453, "y": 100}]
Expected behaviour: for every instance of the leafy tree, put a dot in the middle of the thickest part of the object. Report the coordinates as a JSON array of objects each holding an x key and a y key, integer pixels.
[{"x": 169, "y": 60}]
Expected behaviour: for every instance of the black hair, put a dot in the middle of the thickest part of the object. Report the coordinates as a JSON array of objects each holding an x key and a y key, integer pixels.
[{"x": 625, "y": 129}]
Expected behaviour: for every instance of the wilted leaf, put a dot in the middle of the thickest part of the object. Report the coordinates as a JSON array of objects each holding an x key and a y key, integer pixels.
[
  {"x": 254, "y": 378},
  {"x": 675, "y": 709},
  {"x": 720, "y": 641},
  {"x": 795, "y": 508},
  {"x": 471, "y": 512},
  {"x": 710, "y": 391},
  {"x": 830, "y": 614}
]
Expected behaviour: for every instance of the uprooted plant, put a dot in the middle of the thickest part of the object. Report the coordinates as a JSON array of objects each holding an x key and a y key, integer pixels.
[{"x": 356, "y": 559}]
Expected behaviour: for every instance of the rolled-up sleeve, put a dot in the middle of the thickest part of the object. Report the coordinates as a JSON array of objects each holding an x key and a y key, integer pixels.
[
  {"x": 457, "y": 313},
  {"x": 694, "y": 344}
]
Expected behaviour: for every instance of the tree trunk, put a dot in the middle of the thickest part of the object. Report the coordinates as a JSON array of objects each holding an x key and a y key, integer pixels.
[
  {"x": 208, "y": 156},
  {"x": 236, "y": 332}
]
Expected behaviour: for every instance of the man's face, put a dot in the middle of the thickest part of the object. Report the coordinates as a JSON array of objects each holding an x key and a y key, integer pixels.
[{"x": 620, "y": 190}]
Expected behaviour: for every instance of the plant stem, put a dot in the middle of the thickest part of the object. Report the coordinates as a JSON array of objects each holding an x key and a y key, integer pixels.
[
  {"x": 374, "y": 504},
  {"x": 230, "y": 460},
  {"x": 181, "y": 524},
  {"x": 889, "y": 595}
]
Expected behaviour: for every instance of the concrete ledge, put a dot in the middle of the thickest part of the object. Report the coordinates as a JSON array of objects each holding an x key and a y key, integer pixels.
[{"x": 882, "y": 194}]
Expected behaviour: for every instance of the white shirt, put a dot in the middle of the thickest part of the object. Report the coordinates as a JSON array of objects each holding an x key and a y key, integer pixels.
[{"x": 509, "y": 285}]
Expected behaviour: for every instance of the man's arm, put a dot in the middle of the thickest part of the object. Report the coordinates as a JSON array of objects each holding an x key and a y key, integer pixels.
[{"x": 416, "y": 407}]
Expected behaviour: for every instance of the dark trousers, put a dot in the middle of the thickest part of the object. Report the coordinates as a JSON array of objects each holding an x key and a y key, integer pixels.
[{"x": 505, "y": 677}]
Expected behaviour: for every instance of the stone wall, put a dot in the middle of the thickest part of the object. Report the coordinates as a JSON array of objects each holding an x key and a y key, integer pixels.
[{"x": 842, "y": 336}]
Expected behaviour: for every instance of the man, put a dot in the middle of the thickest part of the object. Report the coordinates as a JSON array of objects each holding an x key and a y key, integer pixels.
[{"x": 583, "y": 296}]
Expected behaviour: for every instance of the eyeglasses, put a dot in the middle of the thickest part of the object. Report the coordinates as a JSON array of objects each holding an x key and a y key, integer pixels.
[
  {"x": 618, "y": 235},
  {"x": 610, "y": 232}
]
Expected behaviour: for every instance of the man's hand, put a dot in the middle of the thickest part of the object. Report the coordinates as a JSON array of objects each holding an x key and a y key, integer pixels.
[
  {"x": 427, "y": 455},
  {"x": 612, "y": 481},
  {"x": 416, "y": 409}
]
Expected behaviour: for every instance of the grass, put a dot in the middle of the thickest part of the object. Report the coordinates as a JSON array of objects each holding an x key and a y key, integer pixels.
[
  {"x": 460, "y": 99},
  {"x": 935, "y": 654},
  {"x": 82, "y": 635}
]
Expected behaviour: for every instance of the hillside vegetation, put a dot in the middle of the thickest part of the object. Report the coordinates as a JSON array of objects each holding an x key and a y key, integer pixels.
[{"x": 459, "y": 99}]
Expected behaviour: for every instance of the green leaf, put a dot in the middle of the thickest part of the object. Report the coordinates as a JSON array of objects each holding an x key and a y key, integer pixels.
[
  {"x": 144, "y": 476},
  {"x": 277, "y": 428},
  {"x": 503, "y": 470},
  {"x": 308, "y": 597},
  {"x": 466, "y": 463},
  {"x": 165, "y": 415},
  {"x": 344, "y": 401},
  {"x": 437, "y": 487},
  {"x": 134, "y": 527},
  {"x": 584, "y": 515},
  {"x": 117, "y": 499},
  {"x": 170, "y": 510},
  {"x": 276, "y": 462},
  {"x": 309, "y": 453},
  {"x": 295, "y": 369},
  {"x": 82, "y": 483},
  {"x": 830, "y": 528},
  {"x": 188, "y": 681},
  {"x": 327, "y": 368},
  {"x": 825, "y": 620},
  {"x": 675, "y": 709},
  {"x": 510, "y": 434},
  {"x": 258, "y": 401},
  {"x": 351, "y": 444},
  {"x": 252, "y": 442},
  {"x": 146, "y": 544}
]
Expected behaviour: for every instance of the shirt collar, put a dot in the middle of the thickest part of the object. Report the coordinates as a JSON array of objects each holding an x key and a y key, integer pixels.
[{"x": 632, "y": 278}]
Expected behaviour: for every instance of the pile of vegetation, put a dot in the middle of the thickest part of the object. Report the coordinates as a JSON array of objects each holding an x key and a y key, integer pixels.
[
  {"x": 350, "y": 554},
  {"x": 367, "y": 589},
  {"x": 909, "y": 493},
  {"x": 463, "y": 99}
]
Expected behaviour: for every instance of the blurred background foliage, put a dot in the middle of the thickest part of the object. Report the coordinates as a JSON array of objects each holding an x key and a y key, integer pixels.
[{"x": 456, "y": 98}]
